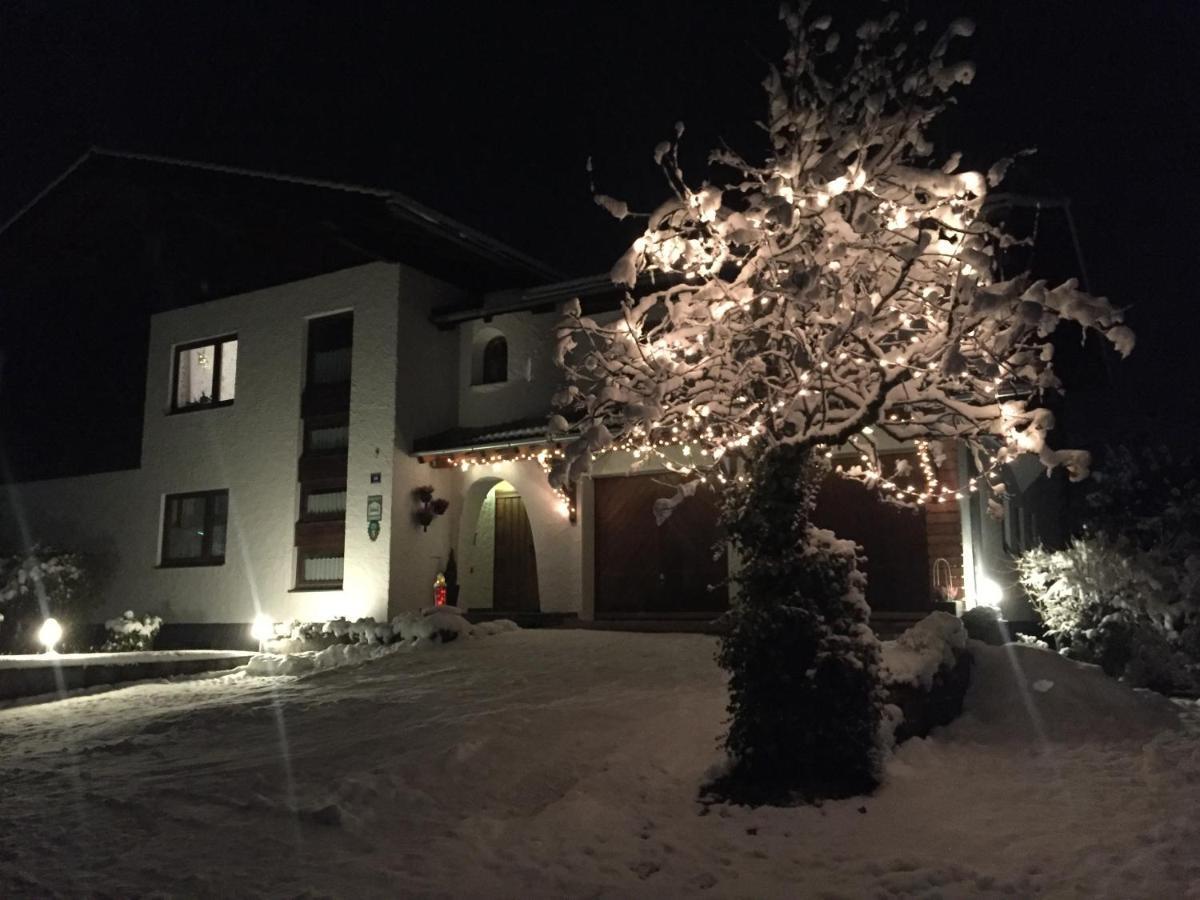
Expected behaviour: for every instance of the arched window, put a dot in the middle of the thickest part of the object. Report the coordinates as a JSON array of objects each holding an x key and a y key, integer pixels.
[{"x": 495, "y": 361}]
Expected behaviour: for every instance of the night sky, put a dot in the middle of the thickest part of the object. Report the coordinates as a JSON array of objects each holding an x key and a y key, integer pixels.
[{"x": 488, "y": 112}]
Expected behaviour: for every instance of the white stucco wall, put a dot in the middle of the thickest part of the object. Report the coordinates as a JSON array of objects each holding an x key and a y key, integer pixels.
[
  {"x": 532, "y": 376},
  {"x": 426, "y": 388},
  {"x": 476, "y": 570},
  {"x": 251, "y": 448}
]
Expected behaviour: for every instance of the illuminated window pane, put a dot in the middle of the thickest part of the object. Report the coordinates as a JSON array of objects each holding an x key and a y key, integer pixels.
[
  {"x": 229, "y": 355},
  {"x": 194, "y": 384},
  {"x": 205, "y": 374}
]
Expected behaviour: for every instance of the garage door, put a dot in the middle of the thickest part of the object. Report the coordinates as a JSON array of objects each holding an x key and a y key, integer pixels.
[
  {"x": 894, "y": 540},
  {"x": 644, "y": 569}
]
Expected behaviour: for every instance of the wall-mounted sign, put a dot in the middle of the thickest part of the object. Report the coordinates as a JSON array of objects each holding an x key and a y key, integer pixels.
[
  {"x": 376, "y": 477},
  {"x": 374, "y": 515}
]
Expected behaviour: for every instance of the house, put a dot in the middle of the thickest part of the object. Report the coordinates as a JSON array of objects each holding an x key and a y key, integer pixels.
[{"x": 315, "y": 353}]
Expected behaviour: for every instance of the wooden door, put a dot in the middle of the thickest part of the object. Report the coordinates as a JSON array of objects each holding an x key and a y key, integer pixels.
[
  {"x": 514, "y": 566},
  {"x": 894, "y": 540},
  {"x": 645, "y": 569}
]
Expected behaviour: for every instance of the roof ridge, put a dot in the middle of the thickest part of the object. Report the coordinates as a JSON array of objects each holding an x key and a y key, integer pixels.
[{"x": 397, "y": 200}]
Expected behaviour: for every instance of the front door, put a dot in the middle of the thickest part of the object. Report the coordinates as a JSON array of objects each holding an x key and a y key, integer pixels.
[
  {"x": 514, "y": 567},
  {"x": 644, "y": 569}
]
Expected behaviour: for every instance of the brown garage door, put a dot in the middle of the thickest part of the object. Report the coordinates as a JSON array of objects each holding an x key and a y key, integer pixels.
[
  {"x": 648, "y": 569},
  {"x": 893, "y": 539}
]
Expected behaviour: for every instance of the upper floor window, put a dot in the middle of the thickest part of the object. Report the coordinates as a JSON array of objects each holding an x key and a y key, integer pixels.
[
  {"x": 330, "y": 343},
  {"x": 495, "y": 361},
  {"x": 205, "y": 373},
  {"x": 194, "y": 527}
]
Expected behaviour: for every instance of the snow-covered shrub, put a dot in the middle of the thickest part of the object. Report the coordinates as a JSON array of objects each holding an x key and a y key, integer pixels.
[
  {"x": 1126, "y": 593},
  {"x": 128, "y": 632},
  {"x": 1106, "y": 601},
  {"x": 439, "y": 624},
  {"x": 805, "y": 701},
  {"x": 926, "y": 673},
  {"x": 931, "y": 644},
  {"x": 428, "y": 628},
  {"x": 44, "y": 581}
]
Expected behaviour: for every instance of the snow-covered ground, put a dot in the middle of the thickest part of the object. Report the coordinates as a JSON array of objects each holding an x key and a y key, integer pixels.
[{"x": 566, "y": 763}]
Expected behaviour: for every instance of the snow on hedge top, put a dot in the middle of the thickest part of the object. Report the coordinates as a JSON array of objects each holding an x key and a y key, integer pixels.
[
  {"x": 915, "y": 657},
  {"x": 413, "y": 630}
]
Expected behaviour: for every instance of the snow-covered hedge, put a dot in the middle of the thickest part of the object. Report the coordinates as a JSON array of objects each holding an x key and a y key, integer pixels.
[
  {"x": 363, "y": 640},
  {"x": 926, "y": 672},
  {"x": 127, "y": 632},
  {"x": 919, "y": 653}
]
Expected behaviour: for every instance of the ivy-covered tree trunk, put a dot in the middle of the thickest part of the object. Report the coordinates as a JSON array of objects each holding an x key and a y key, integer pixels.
[{"x": 805, "y": 702}]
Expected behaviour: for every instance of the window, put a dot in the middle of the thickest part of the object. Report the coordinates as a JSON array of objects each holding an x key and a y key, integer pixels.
[
  {"x": 324, "y": 503},
  {"x": 326, "y": 434},
  {"x": 495, "y": 361},
  {"x": 320, "y": 568},
  {"x": 194, "y": 528},
  {"x": 205, "y": 374},
  {"x": 330, "y": 349}
]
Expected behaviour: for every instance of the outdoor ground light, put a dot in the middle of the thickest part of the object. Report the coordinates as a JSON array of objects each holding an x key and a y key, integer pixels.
[
  {"x": 989, "y": 593},
  {"x": 263, "y": 629},
  {"x": 50, "y": 634}
]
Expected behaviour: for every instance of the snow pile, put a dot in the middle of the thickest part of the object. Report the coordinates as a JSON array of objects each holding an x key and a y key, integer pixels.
[
  {"x": 915, "y": 657},
  {"x": 1024, "y": 693},
  {"x": 369, "y": 640}
]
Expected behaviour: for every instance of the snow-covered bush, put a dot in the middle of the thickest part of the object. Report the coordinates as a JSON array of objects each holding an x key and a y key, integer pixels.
[
  {"x": 1103, "y": 602},
  {"x": 844, "y": 290},
  {"x": 926, "y": 672},
  {"x": 362, "y": 641},
  {"x": 440, "y": 624},
  {"x": 805, "y": 701},
  {"x": 44, "y": 581},
  {"x": 930, "y": 645},
  {"x": 1126, "y": 593},
  {"x": 128, "y": 632}
]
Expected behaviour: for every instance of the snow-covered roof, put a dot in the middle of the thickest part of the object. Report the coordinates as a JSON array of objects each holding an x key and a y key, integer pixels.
[{"x": 515, "y": 433}]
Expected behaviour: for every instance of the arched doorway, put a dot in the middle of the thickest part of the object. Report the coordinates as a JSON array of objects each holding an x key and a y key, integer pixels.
[{"x": 501, "y": 561}]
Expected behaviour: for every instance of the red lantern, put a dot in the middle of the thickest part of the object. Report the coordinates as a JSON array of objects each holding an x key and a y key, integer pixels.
[{"x": 439, "y": 590}]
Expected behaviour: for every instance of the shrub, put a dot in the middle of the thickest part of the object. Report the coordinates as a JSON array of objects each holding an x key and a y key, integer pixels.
[
  {"x": 805, "y": 695},
  {"x": 983, "y": 624},
  {"x": 127, "y": 632},
  {"x": 1126, "y": 593},
  {"x": 42, "y": 582}
]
